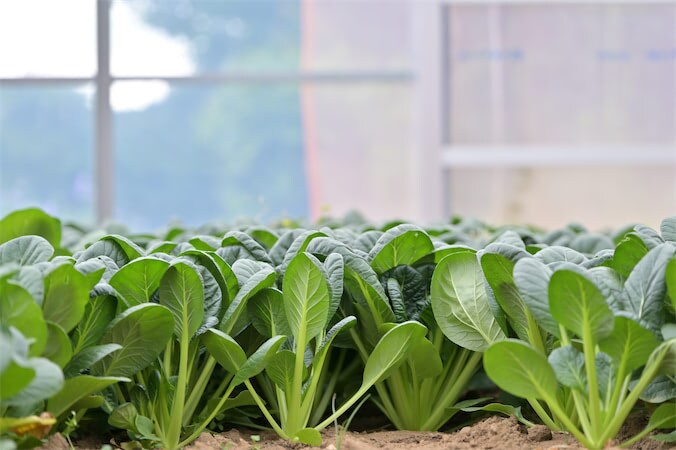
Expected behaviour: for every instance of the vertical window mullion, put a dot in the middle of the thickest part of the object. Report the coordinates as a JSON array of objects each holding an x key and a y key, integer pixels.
[{"x": 104, "y": 175}]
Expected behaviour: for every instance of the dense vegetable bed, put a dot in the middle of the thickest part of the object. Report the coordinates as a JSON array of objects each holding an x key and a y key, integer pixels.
[{"x": 291, "y": 327}]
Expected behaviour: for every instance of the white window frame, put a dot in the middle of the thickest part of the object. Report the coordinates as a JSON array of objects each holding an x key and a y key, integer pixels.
[{"x": 104, "y": 174}]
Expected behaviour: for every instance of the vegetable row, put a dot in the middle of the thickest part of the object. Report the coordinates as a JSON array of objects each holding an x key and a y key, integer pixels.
[{"x": 168, "y": 335}]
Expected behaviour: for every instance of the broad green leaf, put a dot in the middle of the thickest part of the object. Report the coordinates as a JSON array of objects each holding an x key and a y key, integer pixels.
[
  {"x": 77, "y": 388},
  {"x": 138, "y": 280},
  {"x": 663, "y": 417},
  {"x": 108, "y": 248},
  {"x": 629, "y": 341},
  {"x": 668, "y": 229},
  {"x": 412, "y": 287},
  {"x": 660, "y": 390},
  {"x": 591, "y": 243},
  {"x": 460, "y": 303},
  {"x": 123, "y": 417},
  {"x": 645, "y": 288},
  {"x": 367, "y": 240},
  {"x": 628, "y": 253},
  {"x": 649, "y": 236},
  {"x": 281, "y": 247},
  {"x": 32, "y": 281},
  {"x": 264, "y": 236},
  {"x": 512, "y": 238},
  {"x": 26, "y": 250},
  {"x": 218, "y": 270},
  {"x": 224, "y": 349},
  {"x": 520, "y": 370},
  {"x": 664, "y": 437},
  {"x": 308, "y": 436},
  {"x": 130, "y": 249},
  {"x": 577, "y": 304},
  {"x": 498, "y": 271},
  {"x": 568, "y": 365},
  {"x": 665, "y": 355},
  {"x": 87, "y": 358},
  {"x": 531, "y": 277},
  {"x": 262, "y": 279},
  {"x": 30, "y": 221},
  {"x": 306, "y": 298},
  {"x": 245, "y": 245},
  {"x": 260, "y": 358},
  {"x": 143, "y": 332},
  {"x": 508, "y": 410},
  {"x": 99, "y": 313},
  {"x": 16, "y": 373},
  {"x": 19, "y": 310},
  {"x": 401, "y": 245},
  {"x": 280, "y": 369},
  {"x": 205, "y": 243},
  {"x": 334, "y": 265},
  {"x": 266, "y": 310},
  {"x": 66, "y": 296},
  {"x": 58, "y": 348},
  {"x": 668, "y": 331},
  {"x": 182, "y": 293},
  {"x": 397, "y": 301},
  {"x": 299, "y": 245},
  {"x": 670, "y": 277},
  {"x": 392, "y": 350},
  {"x": 48, "y": 380},
  {"x": 559, "y": 253},
  {"x": 425, "y": 360}
]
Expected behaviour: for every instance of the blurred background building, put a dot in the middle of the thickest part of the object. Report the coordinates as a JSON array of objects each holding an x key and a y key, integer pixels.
[{"x": 141, "y": 111}]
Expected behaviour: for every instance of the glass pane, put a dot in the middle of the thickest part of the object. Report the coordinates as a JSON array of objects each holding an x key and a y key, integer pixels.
[
  {"x": 361, "y": 136},
  {"x": 209, "y": 153},
  {"x": 47, "y": 38},
  {"x": 599, "y": 196},
  {"x": 362, "y": 35},
  {"x": 563, "y": 74},
  {"x": 46, "y": 157},
  {"x": 183, "y": 37}
]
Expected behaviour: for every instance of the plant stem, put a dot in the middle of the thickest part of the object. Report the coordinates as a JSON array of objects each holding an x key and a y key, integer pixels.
[
  {"x": 589, "y": 351},
  {"x": 208, "y": 420},
  {"x": 265, "y": 411},
  {"x": 542, "y": 414},
  {"x": 174, "y": 432}
]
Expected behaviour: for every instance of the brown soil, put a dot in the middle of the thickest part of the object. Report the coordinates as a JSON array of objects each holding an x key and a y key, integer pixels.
[{"x": 494, "y": 432}]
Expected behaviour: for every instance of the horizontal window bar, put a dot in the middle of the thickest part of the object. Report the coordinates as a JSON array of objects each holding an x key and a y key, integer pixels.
[
  {"x": 238, "y": 77},
  {"x": 521, "y": 156}
]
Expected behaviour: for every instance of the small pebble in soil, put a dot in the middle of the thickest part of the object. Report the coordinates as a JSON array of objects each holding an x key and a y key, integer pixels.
[{"x": 539, "y": 433}]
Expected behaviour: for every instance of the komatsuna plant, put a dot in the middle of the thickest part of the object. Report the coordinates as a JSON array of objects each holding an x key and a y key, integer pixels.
[
  {"x": 605, "y": 350},
  {"x": 304, "y": 309}
]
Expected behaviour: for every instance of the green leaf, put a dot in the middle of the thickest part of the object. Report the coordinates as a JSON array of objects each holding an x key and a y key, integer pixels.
[
  {"x": 19, "y": 310},
  {"x": 628, "y": 253},
  {"x": 670, "y": 278},
  {"x": 605, "y": 374},
  {"x": 668, "y": 229},
  {"x": 245, "y": 245},
  {"x": 108, "y": 248},
  {"x": 392, "y": 350},
  {"x": 498, "y": 271},
  {"x": 308, "y": 436},
  {"x": 224, "y": 349},
  {"x": 58, "y": 348},
  {"x": 263, "y": 278},
  {"x": 182, "y": 293},
  {"x": 400, "y": 245},
  {"x": 138, "y": 280},
  {"x": 343, "y": 325},
  {"x": 16, "y": 373},
  {"x": 47, "y": 382},
  {"x": 86, "y": 358},
  {"x": 30, "y": 221},
  {"x": 425, "y": 359},
  {"x": 577, "y": 304},
  {"x": 26, "y": 250},
  {"x": 260, "y": 358},
  {"x": 266, "y": 310},
  {"x": 630, "y": 341},
  {"x": 568, "y": 365},
  {"x": 130, "y": 249},
  {"x": 508, "y": 410},
  {"x": 306, "y": 298},
  {"x": 143, "y": 332},
  {"x": 299, "y": 245},
  {"x": 66, "y": 296},
  {"x": 123, "y": 417},
  {"x": 280, "y": 370},
  {"x": 665, "y": 437},
  {"x": 665, "y": 354},
  {"x": 334, "y": 265},
  {"x": 99, "y": 313},
  {"x": 76, "y": 389},
  {"x": 557, "y": 253},
  {"x": 645, "y": 288},
  {"x": 31, "y": 280},
  {"x": 411, "y": 291},
  {"x": 520, "y": 370},
  {"x": 460, "y": 303},
  {"x": 660, "y": 390}
]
